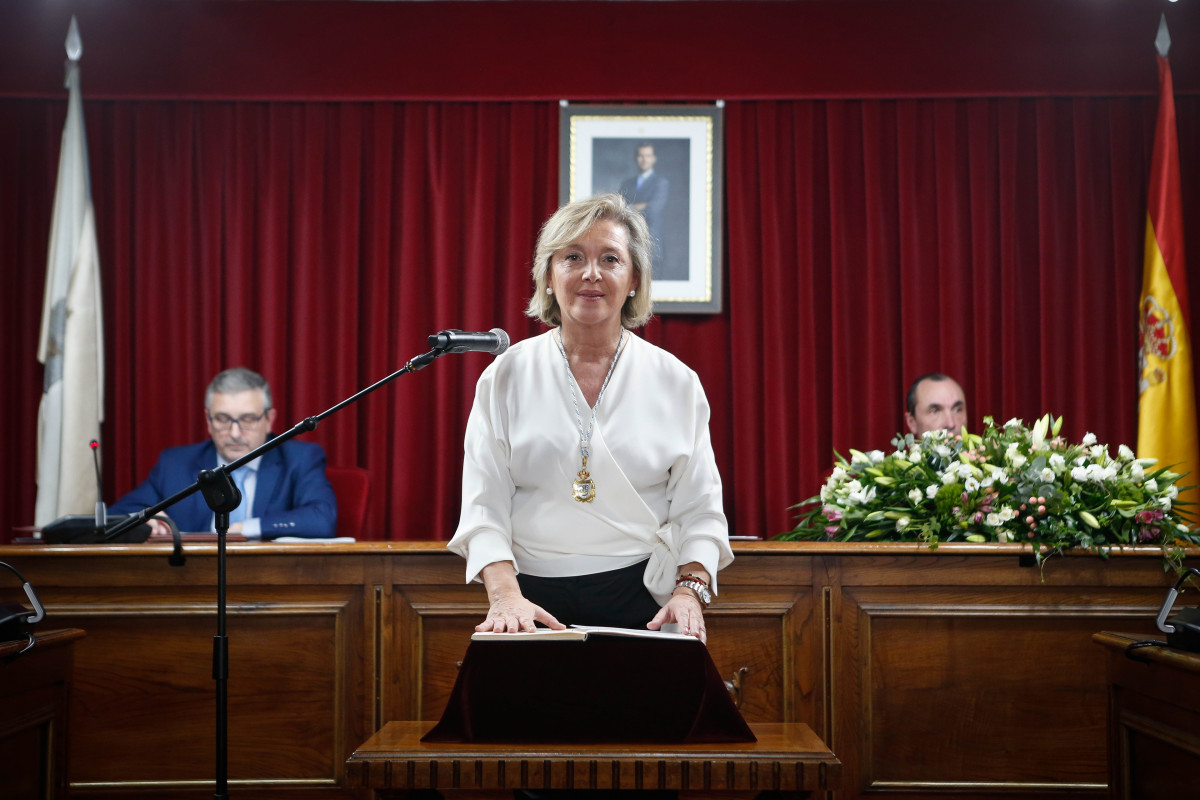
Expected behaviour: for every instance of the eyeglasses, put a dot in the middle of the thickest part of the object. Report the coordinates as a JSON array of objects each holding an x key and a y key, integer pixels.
[{"x": 223, "y": 422}]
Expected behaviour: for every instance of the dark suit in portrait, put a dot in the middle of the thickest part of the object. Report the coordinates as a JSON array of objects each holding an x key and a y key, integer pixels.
[
  {"x": 649, "y": 192},
  {"x": 653, "y": 192}
]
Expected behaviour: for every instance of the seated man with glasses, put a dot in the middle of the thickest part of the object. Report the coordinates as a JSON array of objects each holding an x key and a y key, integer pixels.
[{"x": 284, "y": 493}]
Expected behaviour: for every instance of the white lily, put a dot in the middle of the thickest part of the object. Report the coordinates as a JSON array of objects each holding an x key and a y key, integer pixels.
[{"x": 1037, "y": 436}]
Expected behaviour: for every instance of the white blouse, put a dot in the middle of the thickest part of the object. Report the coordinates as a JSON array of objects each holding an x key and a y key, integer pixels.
[{"x": 658, "y": 492}]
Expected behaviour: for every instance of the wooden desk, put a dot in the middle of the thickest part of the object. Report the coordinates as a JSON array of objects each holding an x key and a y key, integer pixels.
[
  {"x": 34, "y": 708},
  {"x": 1153, "y": 720},
  {"x": 867, "y": 644},
  {"x": 788, "y": 757}
]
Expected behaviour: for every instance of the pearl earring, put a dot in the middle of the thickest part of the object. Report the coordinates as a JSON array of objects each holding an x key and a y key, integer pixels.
[
  {"x": 632, "y": 292},
  {"x": 549, "y": 290}
]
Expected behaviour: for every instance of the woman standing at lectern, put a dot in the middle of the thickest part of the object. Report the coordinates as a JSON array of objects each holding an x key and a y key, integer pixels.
[{"x": 590, "y": 491}]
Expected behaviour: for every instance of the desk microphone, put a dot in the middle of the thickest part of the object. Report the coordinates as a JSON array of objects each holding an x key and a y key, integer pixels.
[
  {"x": 101, "y": 509},
  {"x": 93, "y": 529},
  {"x": 176, "y": 559},
  {"x": 494, "y": 341}
]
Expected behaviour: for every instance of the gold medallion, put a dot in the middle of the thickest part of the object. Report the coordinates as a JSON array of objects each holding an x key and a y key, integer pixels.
[{"x": 583, "y": 488}]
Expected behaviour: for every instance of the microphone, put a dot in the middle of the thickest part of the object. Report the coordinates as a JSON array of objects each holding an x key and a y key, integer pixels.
[
  {"x": 93, "y": 529},
  {"x": 494, "y": 341},
  {"x": 101, "y": 509}
]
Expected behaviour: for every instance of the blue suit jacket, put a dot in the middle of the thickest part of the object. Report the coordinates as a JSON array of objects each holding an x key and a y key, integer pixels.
[{"x": 293, "y": 498}]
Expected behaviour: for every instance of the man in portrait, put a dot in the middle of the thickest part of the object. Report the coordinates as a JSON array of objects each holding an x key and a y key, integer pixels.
[{"x": 648, "y": 193}]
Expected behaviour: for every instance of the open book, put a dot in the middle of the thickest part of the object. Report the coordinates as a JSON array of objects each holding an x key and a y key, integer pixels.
[{"x": 577, "y": 633}]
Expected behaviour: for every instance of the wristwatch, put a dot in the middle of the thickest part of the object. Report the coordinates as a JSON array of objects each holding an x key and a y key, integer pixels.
[{"x": 700, "y": 589}]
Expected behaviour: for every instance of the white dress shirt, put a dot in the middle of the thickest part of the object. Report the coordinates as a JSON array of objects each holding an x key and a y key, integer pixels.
[
  {"x": 251, "y": 525},
  {"x": 658, "y": 493}
]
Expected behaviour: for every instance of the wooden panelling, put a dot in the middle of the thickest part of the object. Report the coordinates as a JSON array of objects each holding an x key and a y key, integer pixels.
[
  {"x": 958, "y": 673},
  {"x": 1154, "y": 720},
  {"x": 990, "y": 689},
  {"x": 289, "y": 661},
  {"x": 35, "y": 689}
]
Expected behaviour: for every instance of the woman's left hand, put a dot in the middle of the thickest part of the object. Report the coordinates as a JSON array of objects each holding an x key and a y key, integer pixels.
[{"x": 685, "y": 609}]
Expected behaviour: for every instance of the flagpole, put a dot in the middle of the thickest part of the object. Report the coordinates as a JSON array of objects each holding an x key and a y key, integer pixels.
[
  {"x": 71, "y": 341},
  {"x": 1167, "y": 429}
]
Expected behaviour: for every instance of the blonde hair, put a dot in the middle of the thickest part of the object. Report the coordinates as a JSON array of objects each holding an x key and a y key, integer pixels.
[{"x": 567, "y": 225}]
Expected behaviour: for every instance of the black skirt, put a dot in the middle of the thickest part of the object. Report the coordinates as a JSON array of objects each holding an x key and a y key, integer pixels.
[{"x": 617, "y": 598}]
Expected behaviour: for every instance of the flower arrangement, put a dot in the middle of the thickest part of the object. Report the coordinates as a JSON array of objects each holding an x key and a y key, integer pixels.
[{"x": 1009, "y": 484}]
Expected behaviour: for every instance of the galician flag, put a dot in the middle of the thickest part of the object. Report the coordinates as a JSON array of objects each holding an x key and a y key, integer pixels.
[
  {"x": 1167, "y": 402},
  {"x": 72, "y": 343}
]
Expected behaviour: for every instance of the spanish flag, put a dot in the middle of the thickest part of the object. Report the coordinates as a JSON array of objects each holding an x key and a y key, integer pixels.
[{"x": 1167, "y": 402}]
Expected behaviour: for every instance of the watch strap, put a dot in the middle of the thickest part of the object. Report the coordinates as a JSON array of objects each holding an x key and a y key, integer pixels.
[{"x": 702, "y": 592}]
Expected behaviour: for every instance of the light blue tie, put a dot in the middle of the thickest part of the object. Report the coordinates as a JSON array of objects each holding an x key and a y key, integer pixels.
[{"x": 239, "y": 513}]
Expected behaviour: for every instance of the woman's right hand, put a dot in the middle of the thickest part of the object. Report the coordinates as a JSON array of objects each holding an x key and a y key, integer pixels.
[{"x": 509, "y": 611}]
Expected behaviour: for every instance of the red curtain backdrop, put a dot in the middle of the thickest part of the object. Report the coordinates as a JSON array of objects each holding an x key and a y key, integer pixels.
[
  {"x": 867, "y": 241},
  {"x": 312, "y": 188}
]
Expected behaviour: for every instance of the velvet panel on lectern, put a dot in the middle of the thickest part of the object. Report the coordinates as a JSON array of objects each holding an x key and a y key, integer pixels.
[{"x": 602, "y": 689}]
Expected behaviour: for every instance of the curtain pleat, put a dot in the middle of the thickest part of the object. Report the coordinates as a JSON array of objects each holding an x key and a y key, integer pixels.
[{"x": 866, "y": 242}]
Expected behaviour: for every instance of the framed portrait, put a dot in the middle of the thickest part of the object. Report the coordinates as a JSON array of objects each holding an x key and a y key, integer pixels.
[{"x": 666, "y": 161}]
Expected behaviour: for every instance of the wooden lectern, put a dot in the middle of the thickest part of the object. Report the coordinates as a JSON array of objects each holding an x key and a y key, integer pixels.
[
  {"x": 610, "y": 712},
  {"x": 786, "y": 758}
]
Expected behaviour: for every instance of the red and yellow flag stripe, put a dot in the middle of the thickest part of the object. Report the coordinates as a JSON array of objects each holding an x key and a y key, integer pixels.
[{"x": 1167, "y": 402}]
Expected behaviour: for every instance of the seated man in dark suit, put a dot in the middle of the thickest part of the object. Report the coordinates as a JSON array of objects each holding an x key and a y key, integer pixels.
[{"x": 284, "y": 493}]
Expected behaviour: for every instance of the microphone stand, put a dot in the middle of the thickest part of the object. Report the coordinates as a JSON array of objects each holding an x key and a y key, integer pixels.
[{"x": 222, "y": 496}]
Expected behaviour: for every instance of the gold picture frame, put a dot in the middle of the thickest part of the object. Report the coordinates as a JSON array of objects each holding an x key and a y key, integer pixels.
[{"x": 605, "y": 149}]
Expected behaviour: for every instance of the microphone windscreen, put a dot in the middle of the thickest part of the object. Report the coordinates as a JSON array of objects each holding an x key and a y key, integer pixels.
[{"x": 502, "y": 345}]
